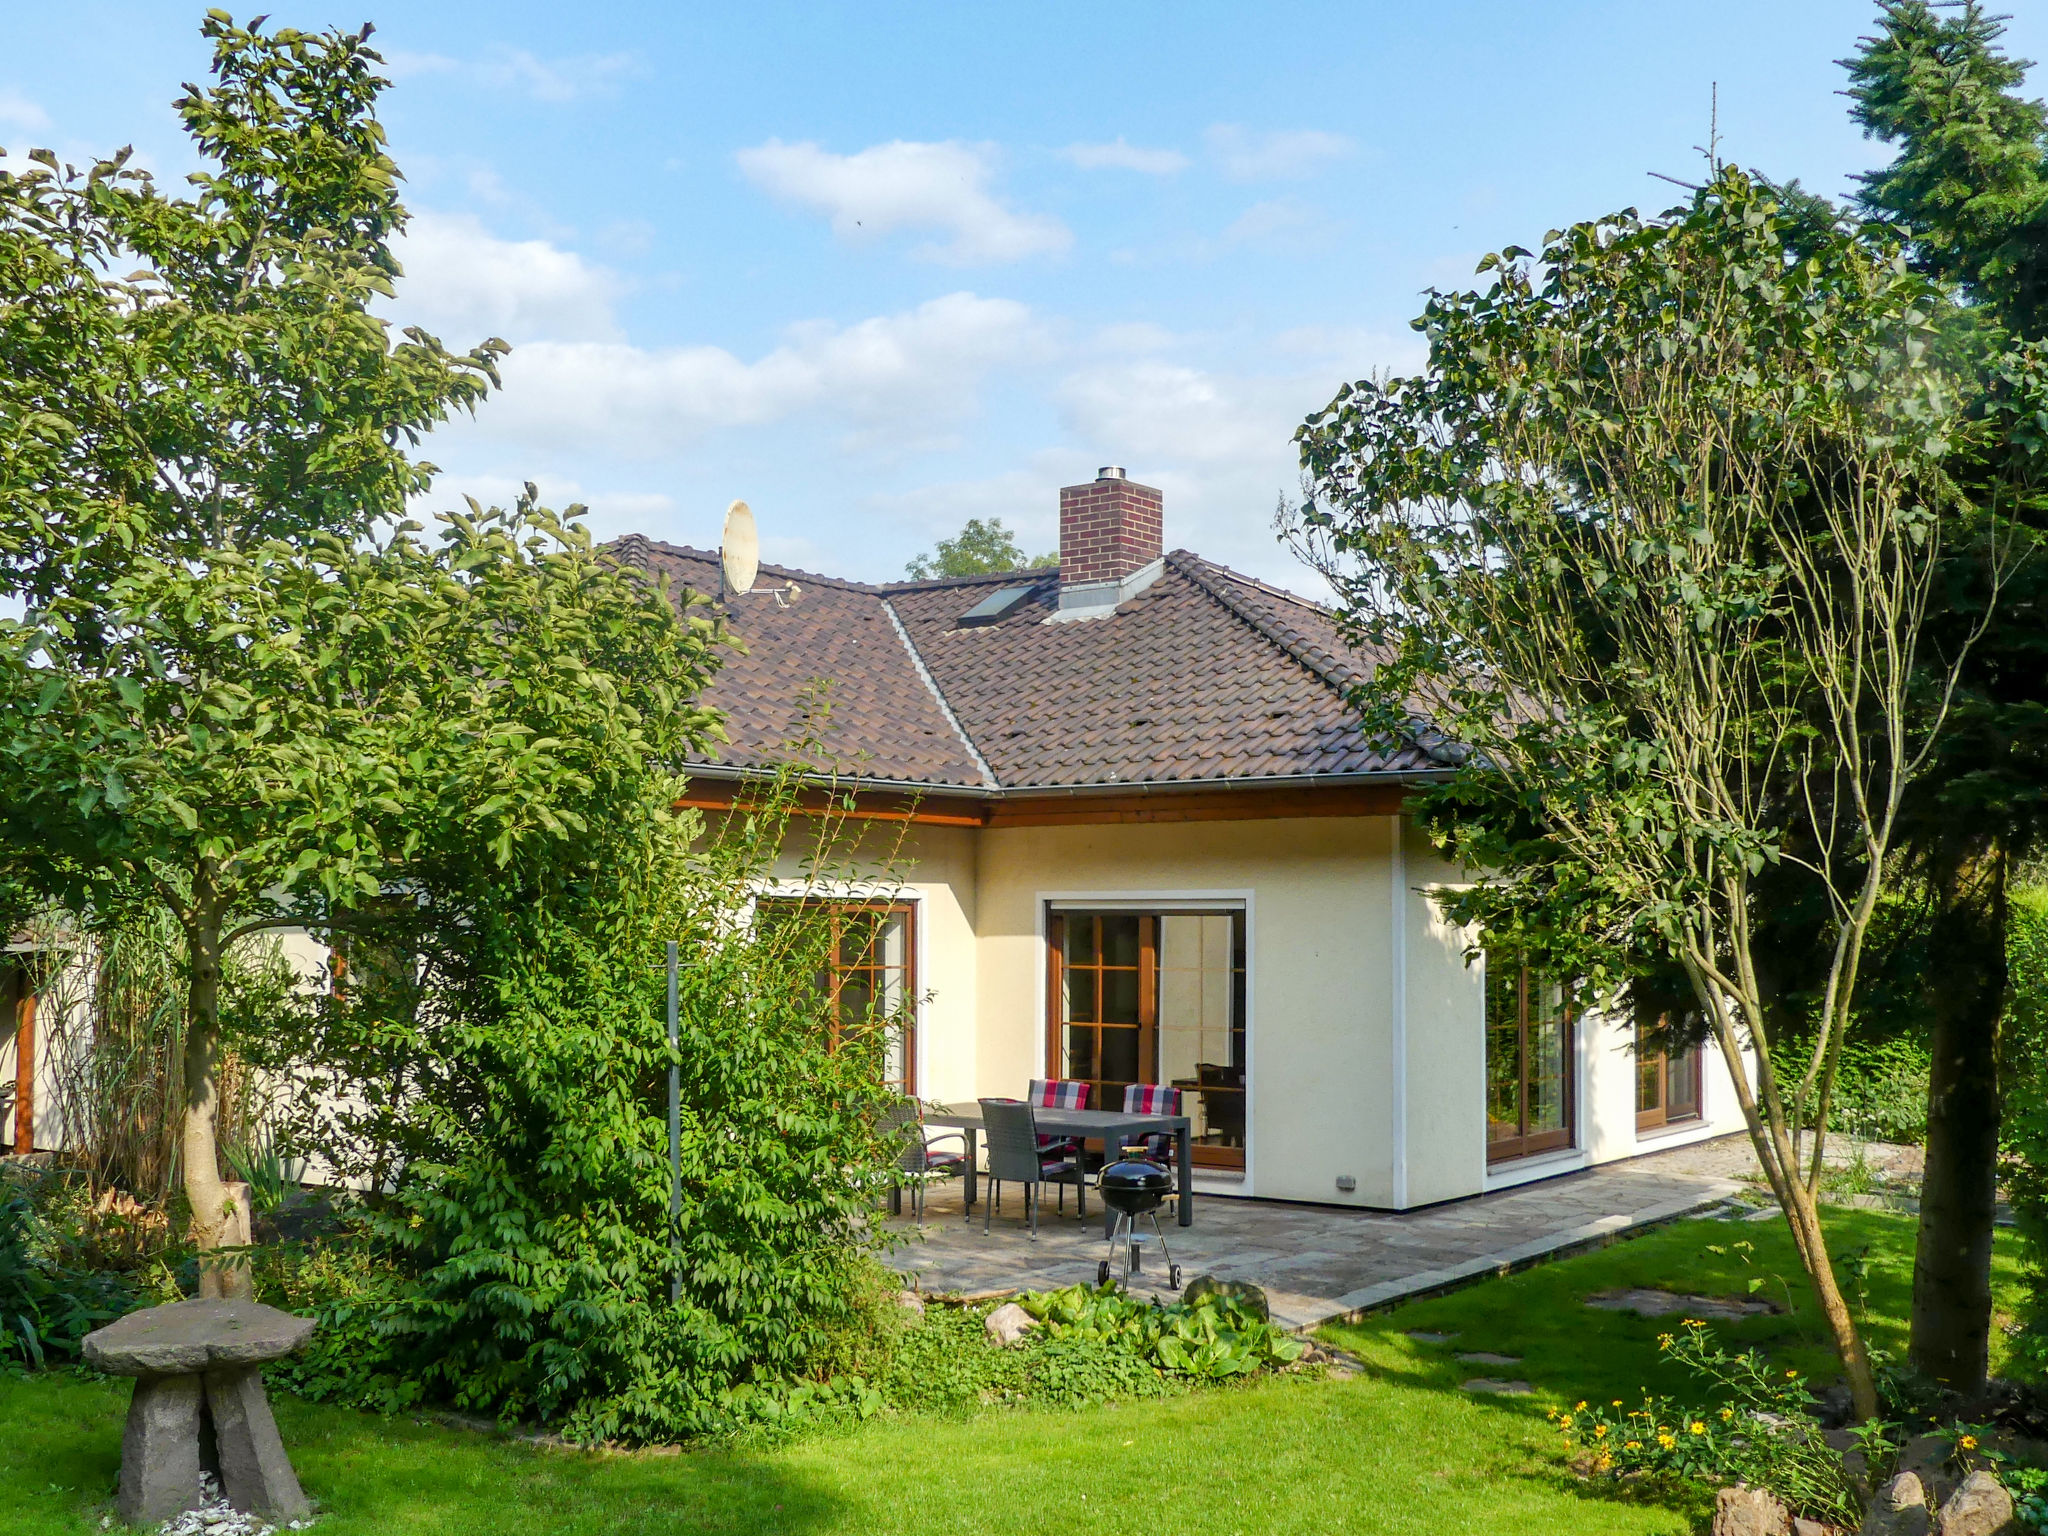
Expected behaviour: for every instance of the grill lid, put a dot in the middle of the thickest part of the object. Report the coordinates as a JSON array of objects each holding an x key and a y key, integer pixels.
[{"x": 1138, "y": 1175}]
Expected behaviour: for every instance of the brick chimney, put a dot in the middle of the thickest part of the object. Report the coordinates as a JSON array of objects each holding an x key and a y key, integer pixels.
[{"x": 1111, "y": 529}]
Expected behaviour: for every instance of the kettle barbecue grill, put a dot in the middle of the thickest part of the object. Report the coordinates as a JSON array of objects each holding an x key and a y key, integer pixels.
[{"x": 1134, "y": 1187}]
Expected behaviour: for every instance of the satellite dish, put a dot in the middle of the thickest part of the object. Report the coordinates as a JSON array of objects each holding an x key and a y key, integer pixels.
[{"x": 739, "y": 551}]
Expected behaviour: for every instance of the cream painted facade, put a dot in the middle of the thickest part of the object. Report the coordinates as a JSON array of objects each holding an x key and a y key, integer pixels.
[{"x": 1365, "y": 1027}]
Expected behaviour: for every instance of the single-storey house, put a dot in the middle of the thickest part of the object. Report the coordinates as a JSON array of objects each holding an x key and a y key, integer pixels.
[{"x": 1147, "y": 840}]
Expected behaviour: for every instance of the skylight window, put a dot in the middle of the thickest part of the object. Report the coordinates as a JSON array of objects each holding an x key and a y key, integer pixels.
[{"x": 995, "y": 606}]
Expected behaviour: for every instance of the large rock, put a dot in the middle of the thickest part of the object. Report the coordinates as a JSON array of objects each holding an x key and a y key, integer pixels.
[
  {"x": 255, "y": 1474},
  {"x": 1900, "y": 1509},
  {"x": 1241, "y": 1291},
  {"x": 1978, "y": 1507},
  {"x": 188, "y": 1337},
  {"x": 1009, "y": 1323},
  {"x": 160, "y": 1450},
  {"x": 1744, "y": 1511},
  {"x": 1927, "y": 1458}
]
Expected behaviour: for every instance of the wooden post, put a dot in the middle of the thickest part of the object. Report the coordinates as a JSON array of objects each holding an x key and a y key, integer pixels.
[{"x": 25, "y": 1071}]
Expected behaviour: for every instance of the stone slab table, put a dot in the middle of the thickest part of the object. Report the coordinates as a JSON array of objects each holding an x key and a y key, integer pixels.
[{"x": 199, "y": 1406}]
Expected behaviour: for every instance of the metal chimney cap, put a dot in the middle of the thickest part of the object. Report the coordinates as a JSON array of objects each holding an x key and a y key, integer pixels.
[{"x": 1110, "y": 472}]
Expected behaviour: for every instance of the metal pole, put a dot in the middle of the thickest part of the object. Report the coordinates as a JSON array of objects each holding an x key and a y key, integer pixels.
[{"x": 675, "y": 1136}]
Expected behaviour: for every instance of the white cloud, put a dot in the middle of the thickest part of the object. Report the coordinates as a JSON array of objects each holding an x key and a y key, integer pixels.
[
  {"x": 1279, "y": 218},
  {"x": 464, "y": 283},
  {"x": 1246, "y": 156},
  {"x": 17, "y": 111},
  {"x": 516, "y": 69},
  {"x": 890, "y": 381},
  {"x": 904, "y": 185},
  {"x": 1121, "y": 155}
]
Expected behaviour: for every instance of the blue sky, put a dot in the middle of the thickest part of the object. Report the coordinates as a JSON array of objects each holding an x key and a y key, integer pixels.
[{"x": 877, "y": 268}]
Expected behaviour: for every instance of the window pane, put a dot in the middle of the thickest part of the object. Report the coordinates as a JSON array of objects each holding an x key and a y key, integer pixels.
[
  {"x": 1081, "y": 996},
  {"x": 1119, "y": 938},
  {"x": 1683, "y": 1091},
  {"x": 1080, "y": 1052},
  {"x": 1119, "y": 997},
  {"x": 1547, "y": 1063},
  {"x": 1649, "y": 1077},
  {"x": 856, "y": 999},
  {"x": 1119, "y": 1064},
  {"x": 1503, "y": 1053},
  {"x": 1080, "y": 939}
]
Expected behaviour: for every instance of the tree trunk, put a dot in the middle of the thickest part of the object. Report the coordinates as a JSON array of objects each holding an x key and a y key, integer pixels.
[
  {"x": 200, "y": 1145},
  {"x": 1951, "y": 1330}
]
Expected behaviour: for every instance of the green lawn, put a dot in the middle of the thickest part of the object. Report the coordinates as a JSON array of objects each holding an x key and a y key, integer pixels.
[{"x": 1400, "y": 1449}]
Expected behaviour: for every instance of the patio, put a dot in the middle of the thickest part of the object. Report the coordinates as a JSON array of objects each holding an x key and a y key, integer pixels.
[{"x": 1318, "y": 1263}]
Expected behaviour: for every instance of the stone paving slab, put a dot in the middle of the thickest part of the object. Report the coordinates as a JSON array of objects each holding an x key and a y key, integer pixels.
[{"x": 1319, "y": 1264}]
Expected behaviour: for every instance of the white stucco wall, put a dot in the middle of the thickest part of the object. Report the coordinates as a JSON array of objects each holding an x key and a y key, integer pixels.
[{"x": 1318, "y": 894}]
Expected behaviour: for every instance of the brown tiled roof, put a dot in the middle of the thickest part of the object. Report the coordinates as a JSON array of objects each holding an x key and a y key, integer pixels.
[{"x": 1205, "y": 676}]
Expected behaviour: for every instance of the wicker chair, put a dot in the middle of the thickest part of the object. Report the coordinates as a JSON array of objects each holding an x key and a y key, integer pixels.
[{"x": 1010, "y": 1131}]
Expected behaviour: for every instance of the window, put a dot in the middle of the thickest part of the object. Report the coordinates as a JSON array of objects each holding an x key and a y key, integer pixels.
[
  {"x": 1153, "y": 997},
  {"x": 1667, "y": 1081},
  {"x": 1529, "y": 1057},
  {"x": 869, "y": 975}
]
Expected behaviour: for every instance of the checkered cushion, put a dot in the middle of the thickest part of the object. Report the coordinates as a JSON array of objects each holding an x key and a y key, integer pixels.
[
  {"x": 1057, "y": 1093},
  {"x": 1153, "y": 1099}
]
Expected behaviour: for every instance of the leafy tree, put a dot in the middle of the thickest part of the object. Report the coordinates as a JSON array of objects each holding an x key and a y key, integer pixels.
[
  {"x": 242, "y": 685},
  {"x": 1654, "y": 538},
  {"x": 1969, "y": 185},
  {"x": 980, "y": 547}
]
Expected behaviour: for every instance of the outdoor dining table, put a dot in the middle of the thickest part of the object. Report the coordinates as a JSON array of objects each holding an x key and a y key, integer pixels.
[{"x": 1114, "y": 1128}]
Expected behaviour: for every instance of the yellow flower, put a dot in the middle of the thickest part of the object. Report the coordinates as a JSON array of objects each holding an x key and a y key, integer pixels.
[
  {"x": 1790, "y": 1374},
  {"x": 1667, "y": 1441},
  {"x": 1727, "y": 1414},
  {"x": 1600, "y": 1433},
  {"x": 1968, "y": 1442},
  {"x": 1617, "y": 1402},
  {"x": 1696, "y": 1427},
  {"x": 1564, "y": 1421},
  {"x": 1580, "y": 1407},
  {"x": 1632, "y": 1445},
  {"x": 1603, "y": 1463}
]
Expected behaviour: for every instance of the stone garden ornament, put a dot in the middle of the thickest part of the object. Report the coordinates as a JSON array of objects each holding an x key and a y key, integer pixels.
[{"x": 199, "y": 1406}]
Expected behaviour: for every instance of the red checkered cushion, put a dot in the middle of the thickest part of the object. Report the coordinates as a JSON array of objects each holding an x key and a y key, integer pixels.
[
  {"x": 1153, "y": 1099},
  {"x": 1057, "y": 1093}
]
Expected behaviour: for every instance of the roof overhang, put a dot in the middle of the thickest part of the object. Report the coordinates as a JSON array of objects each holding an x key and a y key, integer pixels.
[{"x": 717, "y": 787}]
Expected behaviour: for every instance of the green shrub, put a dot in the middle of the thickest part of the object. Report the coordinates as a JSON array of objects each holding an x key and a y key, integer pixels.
[
  {"x": 1763, "y": 1432},
  {"x": 1209, "y": 1339},
  {"x": 46, "y": 1305},
  {"x": 1881, "y": 1092},
  {"x": 2024, "y": 1129},
  {"x": 498, "y": 1063}
]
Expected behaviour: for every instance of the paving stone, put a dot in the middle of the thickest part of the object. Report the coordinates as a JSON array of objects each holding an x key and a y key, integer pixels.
[
  {"x": 1653, "y": 1303},
  {"x": 1486, "y": 1357},
  {"x": 1424, "y": 1336},
  {"x": 1498, "y": 1388}
]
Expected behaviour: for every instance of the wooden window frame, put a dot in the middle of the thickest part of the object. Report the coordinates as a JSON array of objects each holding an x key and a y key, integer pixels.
[
  {"x": 1232, "y": 1159},
  {"x": 836, "y": 909},
  {"x": 1659, "y": 1116},
  {"x": 1512, "y": 1148}
]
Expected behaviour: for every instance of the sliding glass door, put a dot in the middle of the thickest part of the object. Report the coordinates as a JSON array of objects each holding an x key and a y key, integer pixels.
[{"x": 1153, "y": 997}]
